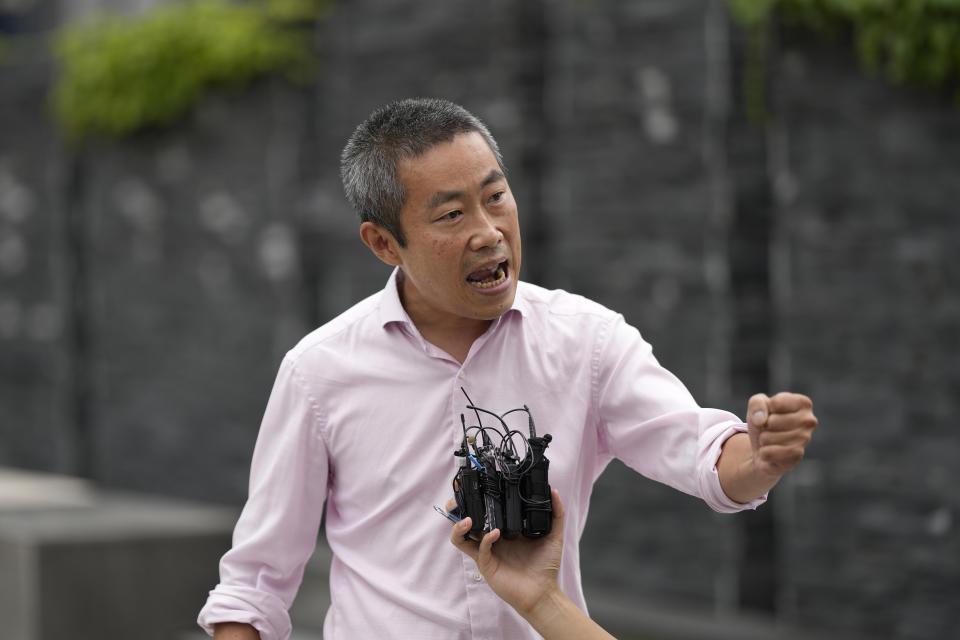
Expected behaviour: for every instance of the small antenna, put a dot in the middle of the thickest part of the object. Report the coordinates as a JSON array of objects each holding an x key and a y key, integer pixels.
[
  {"x": 533, "y": 429},
  {"x": 472, "y": 406}
]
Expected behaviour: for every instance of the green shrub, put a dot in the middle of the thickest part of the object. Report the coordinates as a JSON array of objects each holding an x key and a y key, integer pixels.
[
  {"x": 120, "y": 74},
  {"x": 910, "y": 41}
]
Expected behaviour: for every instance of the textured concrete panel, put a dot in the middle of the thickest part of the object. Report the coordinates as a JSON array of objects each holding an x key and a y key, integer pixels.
[{"x": 79, "y": 563}]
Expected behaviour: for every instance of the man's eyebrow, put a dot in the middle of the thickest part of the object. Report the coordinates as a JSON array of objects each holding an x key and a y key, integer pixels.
[
  {"x": 442, "y": 196},
  {"x": 492, "y": 177},
  {"x": 446, "y": 196}
]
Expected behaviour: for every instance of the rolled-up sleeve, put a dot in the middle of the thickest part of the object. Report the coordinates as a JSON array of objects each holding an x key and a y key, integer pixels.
[
  {"x": 277, "y": 530},
  {"x": 650, "y": 421}
]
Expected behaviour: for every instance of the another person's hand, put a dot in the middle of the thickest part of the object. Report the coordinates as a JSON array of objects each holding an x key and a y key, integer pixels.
[{"x": 522, "y": 571}]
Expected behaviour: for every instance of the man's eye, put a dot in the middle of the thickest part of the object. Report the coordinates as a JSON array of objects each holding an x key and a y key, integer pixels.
[
  {"x": 453, "y": 215},
  {"x": 497, "y": 197}
]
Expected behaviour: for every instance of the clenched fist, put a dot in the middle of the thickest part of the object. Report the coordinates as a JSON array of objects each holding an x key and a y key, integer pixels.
[{"x": 780, "y": 429}]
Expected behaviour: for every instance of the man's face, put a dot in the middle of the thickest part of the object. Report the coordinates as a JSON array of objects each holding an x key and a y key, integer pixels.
[{"x": 462, "y": 257}]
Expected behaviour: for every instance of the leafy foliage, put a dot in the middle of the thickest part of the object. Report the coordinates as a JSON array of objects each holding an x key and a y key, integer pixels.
[
  {"x": 120, "y": 74},
  {"x": 910, "y": 41}
]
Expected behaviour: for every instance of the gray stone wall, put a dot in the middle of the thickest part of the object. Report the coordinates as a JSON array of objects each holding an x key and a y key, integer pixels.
[
  {"x": 637, "y": 221},
  {"x": 192, "y": 290},
  {"x": 867, "y": 284},
  {"x": 36, "y": 419},
  {"x": 149, "y": 287}
]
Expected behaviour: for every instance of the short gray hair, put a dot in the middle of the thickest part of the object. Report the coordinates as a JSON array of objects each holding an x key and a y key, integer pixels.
[{"x": 400, "y": 130}]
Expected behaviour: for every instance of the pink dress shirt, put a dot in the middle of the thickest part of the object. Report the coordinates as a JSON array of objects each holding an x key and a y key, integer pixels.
[{"x": 365, "y": 414}]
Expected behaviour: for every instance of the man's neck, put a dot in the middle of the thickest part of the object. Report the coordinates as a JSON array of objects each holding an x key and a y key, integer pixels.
[
  {"x": 454, "y": 334},
  {"x": 453, "y": 340}
]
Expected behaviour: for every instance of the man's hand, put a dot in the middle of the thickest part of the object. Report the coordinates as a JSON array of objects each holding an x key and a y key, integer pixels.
[
  {"x": 780, "y": 429},
  {"x": 521, "y": 571}
]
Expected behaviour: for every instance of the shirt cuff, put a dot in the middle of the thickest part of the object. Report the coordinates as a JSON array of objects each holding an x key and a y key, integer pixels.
[
  {"x": 710, "y": 486},
  {"x": 263, "y": 611}
]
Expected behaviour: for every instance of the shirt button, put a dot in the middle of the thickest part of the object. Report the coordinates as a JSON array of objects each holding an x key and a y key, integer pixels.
[
  {"x": 460, "y": 375},
  {"x": 477, "y": 576}
]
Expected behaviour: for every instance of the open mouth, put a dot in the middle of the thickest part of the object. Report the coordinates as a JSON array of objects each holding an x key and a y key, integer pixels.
[{"x": 489, "y": 277}]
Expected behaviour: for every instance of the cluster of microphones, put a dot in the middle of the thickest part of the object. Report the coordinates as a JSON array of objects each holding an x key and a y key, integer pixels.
[{"x": 499, "y": 484}]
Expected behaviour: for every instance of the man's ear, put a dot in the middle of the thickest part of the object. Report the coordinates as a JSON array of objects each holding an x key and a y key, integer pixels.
[{"x": 381, "y": 242}]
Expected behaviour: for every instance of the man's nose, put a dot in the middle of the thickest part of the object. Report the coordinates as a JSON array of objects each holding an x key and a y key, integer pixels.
[{"x": 487, "y": 234}]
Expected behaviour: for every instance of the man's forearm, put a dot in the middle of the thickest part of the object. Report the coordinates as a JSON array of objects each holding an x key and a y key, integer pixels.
[
  {"x": 739, "y": 477},
  {"x": 234, "y": 631}
]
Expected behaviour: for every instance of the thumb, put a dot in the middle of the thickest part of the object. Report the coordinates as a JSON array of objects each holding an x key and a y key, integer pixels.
[
  {"x": 460, "y": 541},
  {"x": 485, "y": 552},
  {"x": 757, "y": 413},
  {"x": 758, "y": 410}
]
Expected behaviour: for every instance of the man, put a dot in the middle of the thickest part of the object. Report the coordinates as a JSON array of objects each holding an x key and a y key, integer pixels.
[{"x": 365, "y": 410}]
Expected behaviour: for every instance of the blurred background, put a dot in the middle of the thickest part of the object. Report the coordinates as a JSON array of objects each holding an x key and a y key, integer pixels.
[{"x": 767, "y": 189}]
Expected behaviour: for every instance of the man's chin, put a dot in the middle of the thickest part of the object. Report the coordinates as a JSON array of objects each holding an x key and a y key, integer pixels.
[{"x": 492, "y": 306}]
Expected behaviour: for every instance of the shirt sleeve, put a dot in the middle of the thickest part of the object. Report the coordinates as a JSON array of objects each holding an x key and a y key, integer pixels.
[
  {"x": 651, "y": 422},
  {"x": 277, "y": 530}
]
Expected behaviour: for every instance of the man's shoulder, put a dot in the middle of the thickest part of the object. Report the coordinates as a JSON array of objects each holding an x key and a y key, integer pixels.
[
  {"x": 560, "y": 322},
  {"x": 558, "y": 304},
  {"x": 361, "y": 318}
]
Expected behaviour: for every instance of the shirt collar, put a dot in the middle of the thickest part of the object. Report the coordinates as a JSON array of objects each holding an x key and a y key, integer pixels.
[{"x": 391, "y": 309}]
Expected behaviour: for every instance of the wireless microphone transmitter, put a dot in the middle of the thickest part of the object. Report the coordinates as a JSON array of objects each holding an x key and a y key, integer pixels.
[
  {"x": 512, "y": 504},
  {"x": 535, "y": 491},
  {"x": 469, "y": 496},
  {"x": 490, "y": 484}
]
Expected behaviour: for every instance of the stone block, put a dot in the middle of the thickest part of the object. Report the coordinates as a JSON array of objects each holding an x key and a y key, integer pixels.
[{"x": 77, "y": 562}]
